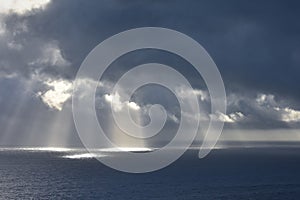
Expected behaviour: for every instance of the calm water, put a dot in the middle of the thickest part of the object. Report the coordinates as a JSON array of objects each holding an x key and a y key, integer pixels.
[{"x": 224, "y": 174}]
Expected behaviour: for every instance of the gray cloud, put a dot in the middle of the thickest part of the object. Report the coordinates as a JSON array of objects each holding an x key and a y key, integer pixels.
[{"x": 43, "y": 43}]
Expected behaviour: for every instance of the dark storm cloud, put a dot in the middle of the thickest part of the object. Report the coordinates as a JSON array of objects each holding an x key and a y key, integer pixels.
[{"x": 255, "y": 44}]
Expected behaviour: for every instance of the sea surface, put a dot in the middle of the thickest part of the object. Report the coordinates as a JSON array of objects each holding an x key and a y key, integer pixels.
[{"x": 234, "y": 173}]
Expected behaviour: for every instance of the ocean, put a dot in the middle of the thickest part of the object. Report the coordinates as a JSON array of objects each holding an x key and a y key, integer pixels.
[{"x": 234, "y": 173}]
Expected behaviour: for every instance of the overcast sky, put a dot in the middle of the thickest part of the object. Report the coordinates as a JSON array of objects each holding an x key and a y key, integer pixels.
[{"x": 255, "y": 44}]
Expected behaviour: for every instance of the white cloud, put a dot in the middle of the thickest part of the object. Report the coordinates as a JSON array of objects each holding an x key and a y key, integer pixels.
[
  {"x": 263, "y": 105},
  {"x": 173, "y": 118},
  {"x": 269, "y": 104},
  {"x": 289, "y": 115},
  {"x": 118, "y": 105},
  {"x": 60, "y": 92},
  {"x": 133, "y": 105},
  {"x": 22, "y": 7},
  {"x": 115, "y": 101},
  {"x": 266, "y": 106},
  {"x": 229, "y": 118},
  {"x": 203, "y": 97},
  {"x": 266, "y": 99},
  {"x": 187, "y": 92},
  {"x": 236, "y": 116}
]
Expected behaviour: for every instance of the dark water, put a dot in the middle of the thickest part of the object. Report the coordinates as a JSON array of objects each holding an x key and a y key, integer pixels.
[{"x": 224, "y": 174}]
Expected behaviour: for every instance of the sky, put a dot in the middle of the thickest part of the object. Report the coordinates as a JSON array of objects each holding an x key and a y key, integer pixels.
[{"x": 255, "y": 44}]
